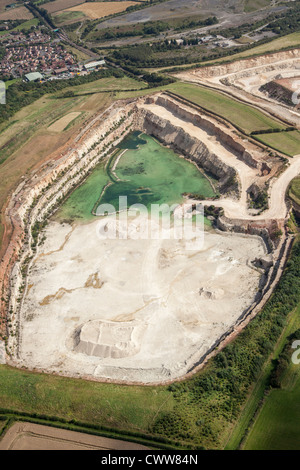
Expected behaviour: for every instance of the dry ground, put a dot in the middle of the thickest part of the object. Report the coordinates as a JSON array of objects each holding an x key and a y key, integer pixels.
[
  {"x": 29, "y": 436},
  {"x": 95, "y": 10},
  {"x": 62, "y": 123},
  {"x": 20, "y": 13},
  {"x": 59, "y": 5},
  {"x": 138, "y": 289}
]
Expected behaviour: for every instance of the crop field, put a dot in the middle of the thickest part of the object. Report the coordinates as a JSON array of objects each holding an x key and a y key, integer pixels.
[
  {"x": 20, "y": 13},
  {"x": 3, "y": 4},
  {"x": 285, "y": 142},
  {"x": 95, "y": 10},
  {"x": 239, "y": 114},
  {"x": 277, "y": 427},
  {"x": 59, "y": 5}
]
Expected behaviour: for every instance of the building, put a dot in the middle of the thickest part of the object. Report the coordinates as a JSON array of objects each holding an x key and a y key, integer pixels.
[
  {"x": 94, "y": 65},
  {"x": 33, "y": 77}
]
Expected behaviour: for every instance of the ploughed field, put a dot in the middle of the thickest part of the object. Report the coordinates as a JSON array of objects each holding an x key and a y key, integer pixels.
[{"x": 129, "y": 308}]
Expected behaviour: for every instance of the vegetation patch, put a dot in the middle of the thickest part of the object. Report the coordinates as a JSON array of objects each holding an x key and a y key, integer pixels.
[
  {"x": 285, "y": 142},
  {"x": 242, "y": 116}
]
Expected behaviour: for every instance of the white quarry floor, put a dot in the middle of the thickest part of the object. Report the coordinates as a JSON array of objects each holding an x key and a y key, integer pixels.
[{"x": 157, "y": 307}]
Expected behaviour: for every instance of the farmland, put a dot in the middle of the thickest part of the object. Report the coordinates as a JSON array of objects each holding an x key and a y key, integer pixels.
[
  {"x": 95, "y": 10},
  {"x": 59, "y": 5},
  {"x": 20, "y": 13}
]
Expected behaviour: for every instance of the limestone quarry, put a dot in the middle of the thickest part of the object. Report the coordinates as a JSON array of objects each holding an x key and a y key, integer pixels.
[
  {"x": 142, "y": 310},
  {"x": 246, "y": 79}
]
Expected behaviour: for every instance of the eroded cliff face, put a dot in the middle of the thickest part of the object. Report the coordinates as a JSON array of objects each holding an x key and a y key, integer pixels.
[
  {"x": 241, "y": 66},
  {"x": 193, "y": 149},
  {"x": 233, "y": 144}
]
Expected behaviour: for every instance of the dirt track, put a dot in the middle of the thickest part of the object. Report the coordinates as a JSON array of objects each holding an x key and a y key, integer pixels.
[{"x": 277, "y": 206}]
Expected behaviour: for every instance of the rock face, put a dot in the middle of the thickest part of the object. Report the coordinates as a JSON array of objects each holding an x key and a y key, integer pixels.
[
  {"x": 240, "y": 66},
  {"x": 190, "y": 147},
  {"x": 235, "y": 145},
  {"x": 276, "y": 90},
  {"x": 267, "y": 229}
]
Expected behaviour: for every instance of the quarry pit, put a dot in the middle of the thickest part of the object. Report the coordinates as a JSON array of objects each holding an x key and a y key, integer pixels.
[{"x": 141, "y": 311}]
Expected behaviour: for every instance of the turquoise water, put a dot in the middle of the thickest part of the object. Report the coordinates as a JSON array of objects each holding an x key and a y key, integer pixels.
[{"x": 146, "y": 173}]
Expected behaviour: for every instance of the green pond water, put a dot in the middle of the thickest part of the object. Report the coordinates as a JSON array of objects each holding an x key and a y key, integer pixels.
[{"x": 146, "y": 173}]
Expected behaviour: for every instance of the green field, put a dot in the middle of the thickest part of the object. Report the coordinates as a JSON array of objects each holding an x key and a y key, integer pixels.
[
  {"x": 66, "y": 17},
  {"x": 147, "y": 173},
  {"x": 240, "y": 115},
  {"x": 277, "y": 425},
  {"x": 252, "y": 5},
  {"x": 121, "y": 407},
  {"x": 294, "y": 191},
  {"x": 285, "y": 142}
]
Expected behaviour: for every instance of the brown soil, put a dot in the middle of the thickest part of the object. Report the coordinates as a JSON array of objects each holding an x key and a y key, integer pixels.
[{"x": 28, "y": 436}]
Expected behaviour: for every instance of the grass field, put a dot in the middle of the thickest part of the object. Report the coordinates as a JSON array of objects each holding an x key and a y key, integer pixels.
[
  {"x": 27, "y": 25},
  {"x": 67, "y": 17},
  {"x": 245, "y": 117},
  {"x": 252, "y": 5},
  {"x": 95, "y": 10},
  {"x": 285, "y": 142},
  {"x": 294, "y": 191},
  {"x": 277, "y": 425},
  {"x": 130, "y": 408}
]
